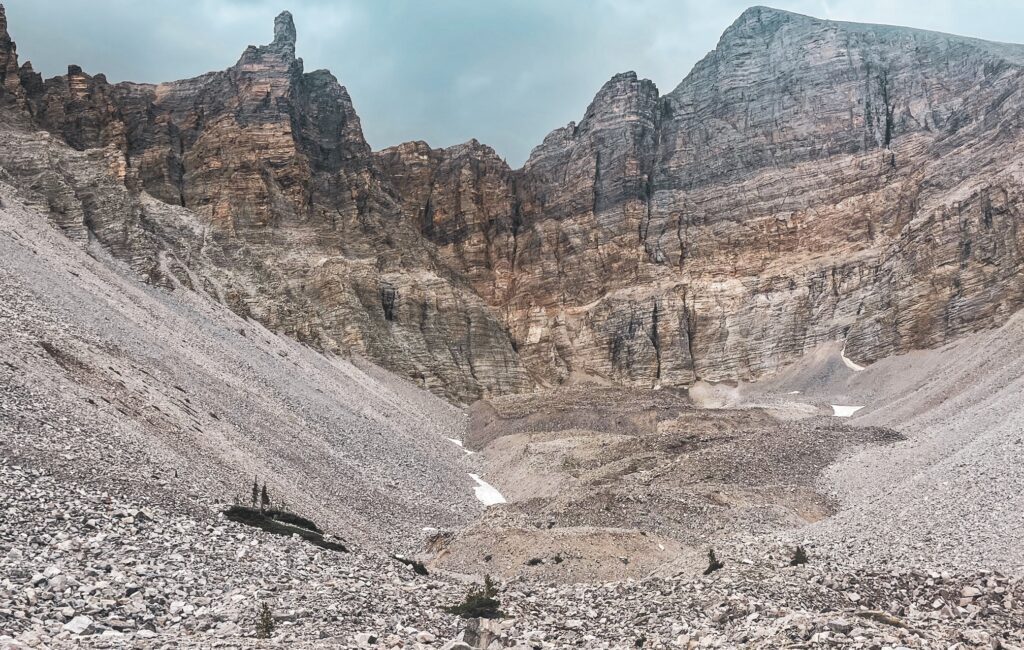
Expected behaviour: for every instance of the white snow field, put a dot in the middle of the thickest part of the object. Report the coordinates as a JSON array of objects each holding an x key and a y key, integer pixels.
[
  {"x": 486, "y": 492},
  {"x": 844, "y": 411}
]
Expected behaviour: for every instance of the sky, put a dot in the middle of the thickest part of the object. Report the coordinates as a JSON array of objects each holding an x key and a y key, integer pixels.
[{"x": 505, "y": 72}]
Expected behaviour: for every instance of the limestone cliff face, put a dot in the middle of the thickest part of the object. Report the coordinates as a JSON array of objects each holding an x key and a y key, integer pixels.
[
  {"x": 256, "y": 185},
  {"x": 463, "y": 200},
  {"x": 808, "y": 181},
  {"x": 836, "y": 177},
  {"x": 585, "y": 297}
]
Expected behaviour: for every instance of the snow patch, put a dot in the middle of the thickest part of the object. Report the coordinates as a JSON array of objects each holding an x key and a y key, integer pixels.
[
  {"x": 486, "y": 492},
  {"x": 850, "y": 364},
  {"x": 459, "y": 443},
  {"x": 844, "y": 411}
]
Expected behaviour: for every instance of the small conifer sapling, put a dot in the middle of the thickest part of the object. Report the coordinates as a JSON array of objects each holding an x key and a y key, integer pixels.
[
  {"x": 713, "y": 563},
  {"x": 799, "y": 557},
  {"x": 264, "y": 622}
]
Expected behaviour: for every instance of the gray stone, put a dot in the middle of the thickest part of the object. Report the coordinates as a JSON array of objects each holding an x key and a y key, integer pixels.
[{"x": 79, "y": 625}]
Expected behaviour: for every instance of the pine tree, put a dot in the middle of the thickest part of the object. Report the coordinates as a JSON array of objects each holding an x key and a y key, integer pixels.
[
  {"x": 264, "y": 622},
  {"x": 255, "y": 491},
  {"x": 479, "y": 602},
  {"x": 264, "y": 498},
  {"x": 490, "y": 589},
  {"x": 713, "y": 563},
  {"x": 799, "y": 557}
]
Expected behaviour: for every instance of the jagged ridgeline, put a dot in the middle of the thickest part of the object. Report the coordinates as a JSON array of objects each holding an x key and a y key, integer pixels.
[{"x": 808, "y": 181}]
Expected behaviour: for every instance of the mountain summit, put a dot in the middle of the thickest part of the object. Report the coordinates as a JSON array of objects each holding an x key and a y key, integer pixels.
[{"x": 284, "y": 31}]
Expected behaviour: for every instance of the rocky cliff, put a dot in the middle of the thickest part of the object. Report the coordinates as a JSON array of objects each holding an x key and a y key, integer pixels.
[
  {"x": 808, "y": 181},
  {"x": 256, "y": 185},
  {"x": 10, "y": 84},
  {"x": 805, "y": 189}
]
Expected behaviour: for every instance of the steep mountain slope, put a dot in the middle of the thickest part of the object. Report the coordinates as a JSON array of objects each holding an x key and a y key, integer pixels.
[
  {"x": 809, "y": 181},
  {"x": 879, "y": 167},
  {"x": 952, "y": 493},
  {"x": 174, "y": 399}
]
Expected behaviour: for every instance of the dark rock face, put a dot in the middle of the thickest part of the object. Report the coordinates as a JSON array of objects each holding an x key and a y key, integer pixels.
[
  {"x": 10, "y": 85},
  {"x": 808, "y": 181}
]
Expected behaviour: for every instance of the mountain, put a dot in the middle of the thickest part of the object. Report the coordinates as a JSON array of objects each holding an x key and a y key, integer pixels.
[
  {"x": 187, "y": 401},
  {"x": 809, "y": 181},
  {"x": 192, "y": 275},
  {"x": 255, "y": 185}
]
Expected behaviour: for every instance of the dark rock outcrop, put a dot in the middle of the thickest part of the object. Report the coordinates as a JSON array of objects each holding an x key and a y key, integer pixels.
[{"x": 10, "y": 84}]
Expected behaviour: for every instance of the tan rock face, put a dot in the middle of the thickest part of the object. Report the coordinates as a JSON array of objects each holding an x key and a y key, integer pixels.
[
  {"x": 281, "y": 212},
  {"x": 808, "y": 181},
  {"x": 841, "y": 176},
  {"x": 463, "y": 200}
]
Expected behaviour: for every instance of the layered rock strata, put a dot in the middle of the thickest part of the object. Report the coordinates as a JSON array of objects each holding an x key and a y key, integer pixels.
[
  {"x": 276, "y": 207},
  {"x": 808, "y": 181}
]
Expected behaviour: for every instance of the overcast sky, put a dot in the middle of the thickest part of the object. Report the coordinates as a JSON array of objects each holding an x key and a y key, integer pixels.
[{"x": 503, "y": 71}]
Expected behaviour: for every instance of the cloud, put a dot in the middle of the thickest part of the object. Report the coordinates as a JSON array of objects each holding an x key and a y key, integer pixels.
[{"x": 503, "y": 71}]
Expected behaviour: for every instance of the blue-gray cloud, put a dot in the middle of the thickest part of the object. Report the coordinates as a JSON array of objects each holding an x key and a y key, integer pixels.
[{"x": 503, "y": 71}]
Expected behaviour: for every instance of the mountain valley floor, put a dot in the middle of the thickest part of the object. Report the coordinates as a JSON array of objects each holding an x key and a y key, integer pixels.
[{"x": 122, "y": 446}]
